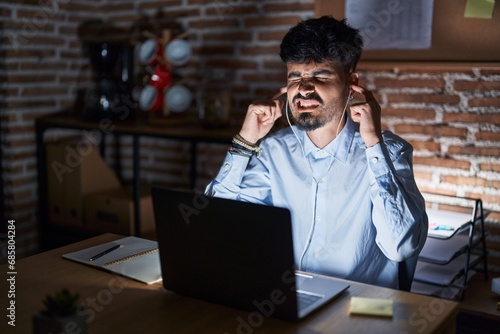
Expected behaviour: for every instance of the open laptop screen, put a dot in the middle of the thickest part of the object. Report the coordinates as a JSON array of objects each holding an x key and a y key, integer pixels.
[{"x": 224, "y": 251}]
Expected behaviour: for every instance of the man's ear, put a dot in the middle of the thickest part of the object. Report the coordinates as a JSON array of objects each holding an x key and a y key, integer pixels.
[{"x": 353, "y": 78}]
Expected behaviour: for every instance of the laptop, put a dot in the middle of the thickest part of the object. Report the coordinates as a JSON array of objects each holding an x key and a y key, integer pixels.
[{"x": 235, "y": 253}]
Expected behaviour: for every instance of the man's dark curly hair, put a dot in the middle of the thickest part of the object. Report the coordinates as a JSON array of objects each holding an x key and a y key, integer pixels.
[{"x": 322, "y": 39}]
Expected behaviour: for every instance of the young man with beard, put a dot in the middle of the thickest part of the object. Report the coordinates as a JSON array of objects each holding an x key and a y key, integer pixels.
[{"x": 356, "y": 209}]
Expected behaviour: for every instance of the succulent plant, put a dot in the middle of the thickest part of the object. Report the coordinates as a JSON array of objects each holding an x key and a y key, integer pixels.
[{"x": 61, "y": 304}]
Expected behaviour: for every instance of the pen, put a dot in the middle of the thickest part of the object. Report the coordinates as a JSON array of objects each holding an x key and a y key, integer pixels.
[{"x": 95, "y": 257}]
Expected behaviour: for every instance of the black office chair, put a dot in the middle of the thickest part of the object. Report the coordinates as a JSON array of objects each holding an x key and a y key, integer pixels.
[{"x": 406, "y": 272}]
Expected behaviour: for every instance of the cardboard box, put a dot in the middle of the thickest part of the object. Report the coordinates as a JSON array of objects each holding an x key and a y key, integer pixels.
[
  {"x": 75, "y": 168},
  {"x": 113, "y": 211}
]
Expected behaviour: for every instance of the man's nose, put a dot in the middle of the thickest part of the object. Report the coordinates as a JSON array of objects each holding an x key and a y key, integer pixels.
[{"x": 306, "y": 86}]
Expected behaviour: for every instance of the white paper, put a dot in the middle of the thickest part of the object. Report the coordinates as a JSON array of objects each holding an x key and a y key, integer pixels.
[
  {"x": 443, "y": 224},
  {"x": 392, "y": 24}
]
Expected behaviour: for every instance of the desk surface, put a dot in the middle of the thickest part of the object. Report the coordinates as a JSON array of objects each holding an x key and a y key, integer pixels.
[
  {"x": 116, "y": 304},
  {"x": 479, "y": 299},
  {"x": 174, "y": 128}
]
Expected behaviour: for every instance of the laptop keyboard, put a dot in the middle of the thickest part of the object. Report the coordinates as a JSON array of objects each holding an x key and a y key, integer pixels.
[{"x": 306, "y": 299}]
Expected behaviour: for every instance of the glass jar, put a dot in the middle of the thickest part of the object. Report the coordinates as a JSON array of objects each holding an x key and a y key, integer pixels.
[{"x": 214, "y": 99}]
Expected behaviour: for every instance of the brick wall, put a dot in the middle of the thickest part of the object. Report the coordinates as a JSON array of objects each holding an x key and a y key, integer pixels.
[
  {"x": 448, "y": 112},
  {"x": 40, "y": 70}
]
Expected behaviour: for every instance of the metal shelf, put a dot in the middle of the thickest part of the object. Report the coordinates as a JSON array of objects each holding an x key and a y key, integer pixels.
[{"x": 445, "y": 263}]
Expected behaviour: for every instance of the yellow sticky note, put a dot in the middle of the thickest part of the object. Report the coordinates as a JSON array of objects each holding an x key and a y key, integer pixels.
[
  {"x": 481, "y": 9},
  {"x": 371, "y": 306}
]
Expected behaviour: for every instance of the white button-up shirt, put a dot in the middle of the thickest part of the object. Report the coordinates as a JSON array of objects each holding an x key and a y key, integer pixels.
[{"x": 356, "y": 211}]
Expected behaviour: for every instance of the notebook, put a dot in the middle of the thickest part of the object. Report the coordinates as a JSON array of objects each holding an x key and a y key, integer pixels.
[
  {"x": 235, "y": 253},
  {"x": 131, "y": 257}
]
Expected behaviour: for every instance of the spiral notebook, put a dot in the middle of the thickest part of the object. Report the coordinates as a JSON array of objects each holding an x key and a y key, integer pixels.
[{"x": 131, "y": 257}]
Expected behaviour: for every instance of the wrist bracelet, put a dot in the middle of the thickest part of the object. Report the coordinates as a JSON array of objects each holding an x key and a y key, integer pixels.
[
  {"x": 240, "y": 144},
  {"x": 240, "y": 138},
  {"x": 240, "y": 151}
]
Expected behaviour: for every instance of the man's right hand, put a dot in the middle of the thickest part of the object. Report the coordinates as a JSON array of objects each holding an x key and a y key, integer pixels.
[{"x": 260, "y": 117}]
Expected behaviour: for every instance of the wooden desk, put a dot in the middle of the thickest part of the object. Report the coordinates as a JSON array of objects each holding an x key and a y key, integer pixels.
[
  {"x": 480, "y": 300},
  {"x": 119, "y": 305},
  {"x": 187, "y": 131}
]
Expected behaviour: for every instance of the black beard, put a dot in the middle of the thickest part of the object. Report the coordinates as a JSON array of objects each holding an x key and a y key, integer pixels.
[{"x": 306, "y": 122}]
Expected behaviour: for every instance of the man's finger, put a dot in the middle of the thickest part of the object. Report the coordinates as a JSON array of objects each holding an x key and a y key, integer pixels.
[
  {"x": 366, "y": 93},
  {"x": 282, "y": 91}
]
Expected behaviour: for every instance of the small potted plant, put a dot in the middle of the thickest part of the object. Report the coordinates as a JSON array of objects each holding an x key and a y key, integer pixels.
[{"x": 62, "y": 314}]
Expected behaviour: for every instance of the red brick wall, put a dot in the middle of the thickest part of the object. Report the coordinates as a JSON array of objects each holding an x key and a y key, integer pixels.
[{"x": 450, "y": 113}]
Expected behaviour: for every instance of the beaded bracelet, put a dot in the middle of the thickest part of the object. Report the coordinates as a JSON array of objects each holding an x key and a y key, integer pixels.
[
  {"x": 241, "y": 145},
  {"x": 240, "y": 138}
]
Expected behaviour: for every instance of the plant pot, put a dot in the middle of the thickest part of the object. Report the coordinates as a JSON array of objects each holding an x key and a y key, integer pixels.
[{"x": 44, "y": 324}]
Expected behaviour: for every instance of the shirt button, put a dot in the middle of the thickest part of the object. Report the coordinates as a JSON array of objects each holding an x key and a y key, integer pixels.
[
  {"x": 318, "y": 218},
  {"x": 320, "y": 181},
  {"x": 227, "y": 165},
  {"x": 375, "y": 160},
  {"x": 387, "y": 195}
]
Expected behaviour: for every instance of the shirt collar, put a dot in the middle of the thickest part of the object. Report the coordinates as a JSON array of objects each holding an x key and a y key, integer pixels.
[{"x": 339, "y": 147}]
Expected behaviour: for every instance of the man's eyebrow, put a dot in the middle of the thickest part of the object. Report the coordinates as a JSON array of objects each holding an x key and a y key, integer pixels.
[
  {"x": 297, "y": 74},
  {"x": 320, "y": 72}
]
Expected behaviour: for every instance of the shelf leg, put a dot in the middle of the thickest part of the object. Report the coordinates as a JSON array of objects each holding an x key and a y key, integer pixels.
[
  {"x": 136, "y": 185},
  {"x": 193, "y": 162}
]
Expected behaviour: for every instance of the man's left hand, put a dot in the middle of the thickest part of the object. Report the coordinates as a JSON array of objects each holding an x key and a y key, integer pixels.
[{"x": 368, "y": 115}]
